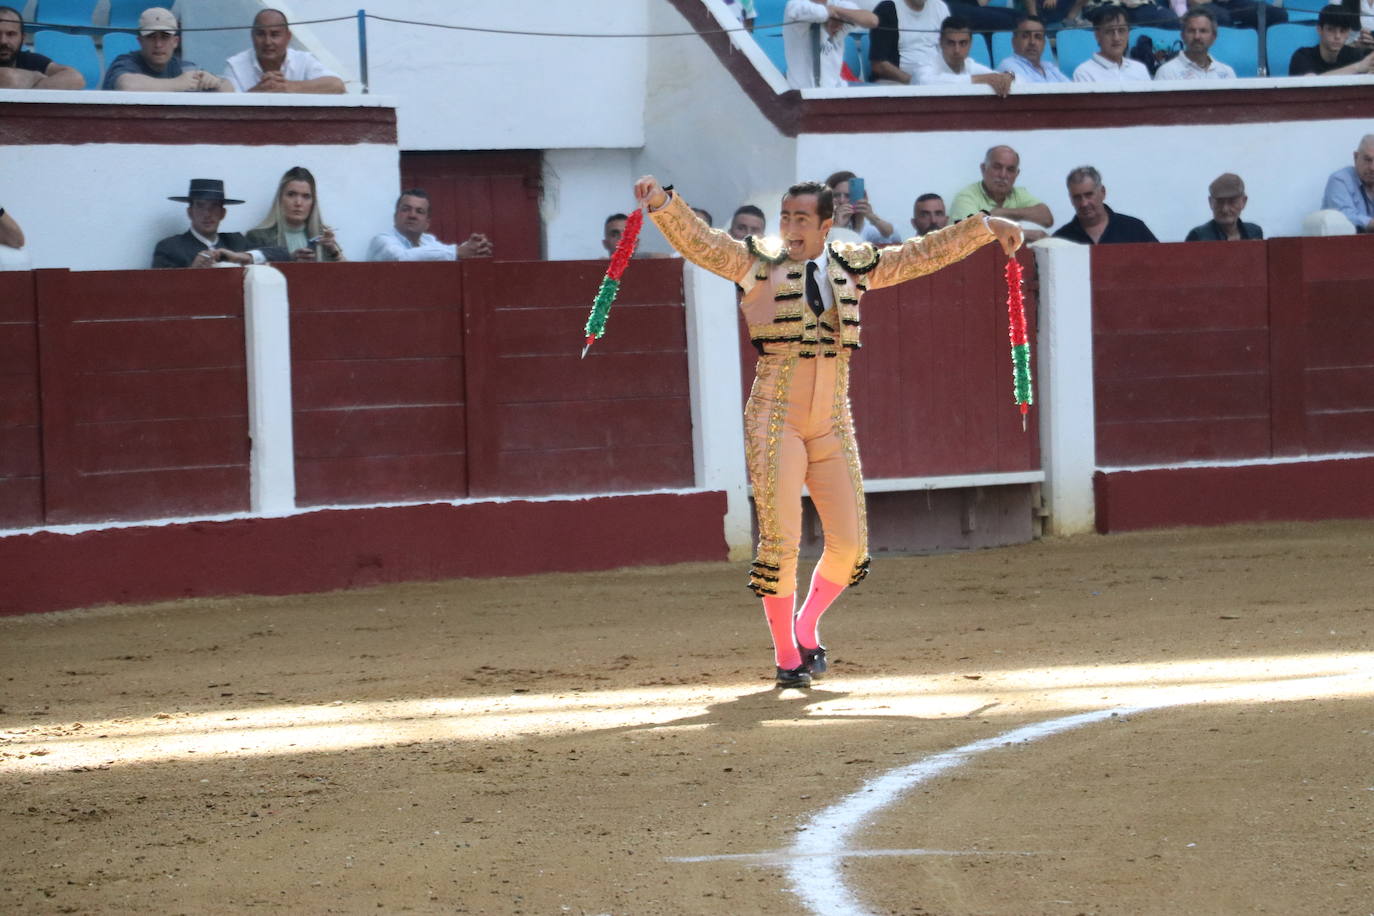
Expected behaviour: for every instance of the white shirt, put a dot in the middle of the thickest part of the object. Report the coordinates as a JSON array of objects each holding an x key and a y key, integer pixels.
[
  {"x": 1181, "y": 68},
  {"x": 798, "y": 18},
  {"x": 937, "y": 72},
  {"x": 244, "y": 71},
  {"x": 1025, "y": 71},
  {"x": 1097, "y": 69},
  {"x": 919, "y": 38},
  {"x": 392, "y": 246}
]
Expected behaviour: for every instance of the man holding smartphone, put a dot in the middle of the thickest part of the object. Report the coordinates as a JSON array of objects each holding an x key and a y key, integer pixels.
[{"x": 854, "y": 213}]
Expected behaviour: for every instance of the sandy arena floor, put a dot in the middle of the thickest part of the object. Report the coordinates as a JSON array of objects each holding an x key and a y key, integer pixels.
[{"x": 611, "y": 743}]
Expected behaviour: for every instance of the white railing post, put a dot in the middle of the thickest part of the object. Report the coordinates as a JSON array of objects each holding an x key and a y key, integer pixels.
[
  {"x": 717, "y": 420},
  {"x": 267, "y": 338},
  {"x": 1068, "y": 440}
]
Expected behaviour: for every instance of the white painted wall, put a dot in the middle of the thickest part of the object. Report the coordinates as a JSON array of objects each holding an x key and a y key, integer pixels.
[
  {"x": 104, "y": 206},
  {"x": 1159, "y": 174},
  {"x": 581, "y": 188}
]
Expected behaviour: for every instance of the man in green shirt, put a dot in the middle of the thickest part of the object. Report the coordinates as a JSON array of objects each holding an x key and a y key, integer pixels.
[{"x": 998, "y": 195}]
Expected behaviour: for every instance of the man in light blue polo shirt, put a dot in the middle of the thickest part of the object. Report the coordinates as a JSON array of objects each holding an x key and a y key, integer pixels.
[
  {"x": 1026, "y": 62},
  {"x": 1351, "y": 190}
]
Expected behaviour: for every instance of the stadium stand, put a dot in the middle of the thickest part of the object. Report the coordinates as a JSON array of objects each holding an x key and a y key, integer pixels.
[{"x": 75, "y": 51}]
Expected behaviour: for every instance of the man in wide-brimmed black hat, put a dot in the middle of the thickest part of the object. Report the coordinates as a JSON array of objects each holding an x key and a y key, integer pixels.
[{"x": 203, "y": 245}]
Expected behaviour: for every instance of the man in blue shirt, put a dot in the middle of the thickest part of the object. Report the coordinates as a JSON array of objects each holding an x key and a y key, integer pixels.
[
  {"x": 1027, "y": 61},
  {"x": 154, "y": 67},
  {"x": 1351, "y": 190}
]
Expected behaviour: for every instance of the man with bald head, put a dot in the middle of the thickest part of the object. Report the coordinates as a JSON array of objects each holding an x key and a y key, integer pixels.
[
  {"x": 272, "y": 65},
  {"x": 997, "y": 194},
  {"x": 1351, "y": 189}
]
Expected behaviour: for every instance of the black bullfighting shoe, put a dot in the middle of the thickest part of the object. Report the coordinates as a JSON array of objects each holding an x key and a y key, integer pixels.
[
  {"x": 813, "y": 660},
  {"x": 794, "y": 677}
]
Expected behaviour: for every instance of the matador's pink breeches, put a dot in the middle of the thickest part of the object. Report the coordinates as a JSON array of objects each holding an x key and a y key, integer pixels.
[{"x": 798, "y": 430}]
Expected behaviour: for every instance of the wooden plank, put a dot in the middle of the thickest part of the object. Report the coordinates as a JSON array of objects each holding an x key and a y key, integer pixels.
[
  {"x": 160, "y": 394},
  {"x": 117, "y": 295},
  {"x": 520, "y": 379},
  {"x": 380, "y": 478},
  {"x": 1180, "y": 352},
  {"x": 160, "y": 445},
  {"x": 364, "y": 431},
  {"x": 164, "y": 493},
  {"x": 21, "y": 502},
  {"x": 596, "y": 424},
  {"x": 320, "y": 384},
  {"x": 597, "y": 470},
  {"x": 371, "y": 286},
  {"x": 17, "y": 297},
  {"x": 1170, "y": 441},
  {"x": 400, "y": 333},
  {"x": 21, "y": 453},
  {"x": 1201, "y": 398},
  {"x": 154, "y": 343},
  {"x": 1288, "y": 320},
  {"x": 1341, "y": 388},
  {"x": 1337, "y": 431},
  {"x": 19, "y": 398},
  {"x": 560, "y": 330}
]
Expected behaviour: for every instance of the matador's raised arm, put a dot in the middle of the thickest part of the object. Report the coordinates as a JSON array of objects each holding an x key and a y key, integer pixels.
[
  {"x": 699, "y": 243},
  {"x": 928, "y": 253}
]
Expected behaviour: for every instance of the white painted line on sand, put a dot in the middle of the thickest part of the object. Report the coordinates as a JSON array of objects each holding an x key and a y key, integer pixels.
[{"x": 781, "y": 857}]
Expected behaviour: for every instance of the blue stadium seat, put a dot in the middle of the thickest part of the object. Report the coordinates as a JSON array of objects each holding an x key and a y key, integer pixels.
[
  {"x": 1164, "y": 39},
  {"x": 124, "y": 13},
  {"x": 978, "y": 50},
  {"x": 856, "y": 53},
  {"x": 78, "y": 13},
  {"x": 115, "y": 44},
  {"x": 1072, "y": 47},
  {"x": 1280, "y": 41},
  {"x": 1240, "y": 49},
  {"x": 76, "y": 51}
]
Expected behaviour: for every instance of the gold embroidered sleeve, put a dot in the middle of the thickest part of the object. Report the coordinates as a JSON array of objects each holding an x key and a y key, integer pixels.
[
  {"x": 699, "y": 243},
  {"x": 928, "y": 253}
]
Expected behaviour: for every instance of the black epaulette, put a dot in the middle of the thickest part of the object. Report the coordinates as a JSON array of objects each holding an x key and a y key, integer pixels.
[
  {"x": 855, "y": 257},
  {"x": 770, "y": 248}
]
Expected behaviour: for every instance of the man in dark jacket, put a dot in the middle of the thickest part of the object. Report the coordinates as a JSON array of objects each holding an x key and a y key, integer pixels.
[
  {"x": 1094, "y": 222},
  {"x": 1226, "y": 197},
  {"x": 203, "y": 245}
]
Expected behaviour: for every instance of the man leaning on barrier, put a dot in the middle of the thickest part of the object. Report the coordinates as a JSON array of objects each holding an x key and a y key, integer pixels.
[
  {"x": 20, "y": 69},
  {"x": 408, "y": 239},
  {"x": 272, "y": 65},
  {"x": 154, "y": 67}
]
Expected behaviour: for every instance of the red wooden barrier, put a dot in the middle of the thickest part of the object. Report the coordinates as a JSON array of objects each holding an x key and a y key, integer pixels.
[
  {"x": 21, "y": 456},
  {"x": 144, "y": 394}
]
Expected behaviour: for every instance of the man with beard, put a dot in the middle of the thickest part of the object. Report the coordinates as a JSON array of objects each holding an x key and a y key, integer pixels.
[
  {"x": 20, "y": 69},
  {"x": 1196, "y": 62}
]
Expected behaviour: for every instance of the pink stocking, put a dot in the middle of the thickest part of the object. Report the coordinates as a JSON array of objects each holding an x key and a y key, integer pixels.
[
  {"x": 778, "y": 610},
  {"x": 822, "y": 593}
]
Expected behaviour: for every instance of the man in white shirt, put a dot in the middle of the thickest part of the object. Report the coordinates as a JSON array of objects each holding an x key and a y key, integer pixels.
[
  {"x": 1196, "y": 63},
  {"x": 907, "y": 33},
  {"x": 408, "y": 240},
  {"x": 834, "y": 19},
  {"x": 953, "y": 68},
  {"x": 1110, "y": 64},
  {"x": 272, "y": 65},
  {"x": 1026, "y": 62}
]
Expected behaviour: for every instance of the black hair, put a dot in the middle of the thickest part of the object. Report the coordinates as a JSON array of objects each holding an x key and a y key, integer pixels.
[{"x": 825, "y": 199}]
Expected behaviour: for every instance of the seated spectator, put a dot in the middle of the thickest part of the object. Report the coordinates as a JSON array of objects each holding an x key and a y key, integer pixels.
[
  {"x": 294, "y": 222},
  {"x": 705, "y": 215},
  {"x": 748, "y": 220},
  {"x": 611, "y": 231},
  {"x": 998, "y": 195},
  {"x": 928, "y": 213},
  {"x": 203, "y": 245},
  {"x": 1242, "y": 14},
  {"x": 1351, "y": 189},
  {"x": 1226, "y": 197},
  {"x": 908, "y": 33},
  {"x": 408, "y": 240},
  {"x": 20, "y": 69},
  {"x": 835, "y": 19},
  {"x": 952, "y": 67},
  {"x": 11, "y": 236},
  {"x": 857, "y": 216},
  {"x": 983, "y": 16},
  {"x": 1331, "y": 56},
  {"x": 1066, "y": 13},
  {"x": 1026, "y": 61},
  {"x": 1094, "y": 222},
  {"x": 154, "y": 67},
  {"x": 272, "y": 65},
  {"x": 1110, "y": 64},
  {"x": 1196, "y": 61},
  {"x": 1138, "y": 12}
]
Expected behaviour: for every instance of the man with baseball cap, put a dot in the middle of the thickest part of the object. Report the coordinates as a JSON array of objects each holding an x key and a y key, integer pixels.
[
  {"x": 203, "y": 245},
  {"x": 154, "y": 67},
  {"x": 1226, "y": 196}
]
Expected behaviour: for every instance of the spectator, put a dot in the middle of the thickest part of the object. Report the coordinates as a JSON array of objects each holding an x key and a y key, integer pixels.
[
  {"x": 408, "y": 240},
  {"x": 705, "y": 215},
  {"x": 1068, "y": 13},
  {"x": 154, "y": 67},
  {"x": 1331, "y": 56},
  {"x": 1110, "y": 64},
  {"x": 1137, "y": 12},
  {"x": 1351, "y": 189},
  {"x": 611, "y": 232},
  {"x": 928, "y": 214},
  {"x": 908, "y": 33},
  {"x": 1196, "y": 61},
  {"x": 11, "y": 236},
  {"x": 745, "y": 10},
  {"x": 1226, "y": 197},
  {"x": 998, "y": 195},
  {"x": 1094, "y": 222},
  {"x": 1242, "y": 13},
  {"x": 835, "y": 19},
  {"x": 748, "y": 220},
  {"x": 982, "y": 16},
  {"x": 952, "y": 67},
  {"x": 1026, "y": 61},
  {"x": 857, "y": 216},
  {"x": 272, "y": 65},
  {"x": 294, "y": 222},
  {"x": 20, "y": 69},
  {"x": 203, "y": 245}
]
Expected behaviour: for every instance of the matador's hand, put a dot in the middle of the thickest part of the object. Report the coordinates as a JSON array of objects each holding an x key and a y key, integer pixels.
[
  {"x": 1008, "y": 233},
  {"x": 649, "y": 191}
]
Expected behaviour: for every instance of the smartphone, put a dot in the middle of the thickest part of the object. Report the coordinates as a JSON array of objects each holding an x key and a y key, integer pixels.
[
  {"x": 856, "y": 189},
  {"x": 315, "y": 241}
]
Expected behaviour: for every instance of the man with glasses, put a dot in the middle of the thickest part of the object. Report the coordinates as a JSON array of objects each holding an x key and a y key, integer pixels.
[
  {"x": 1026, "y": 62},
  {"x": 1110, "y": 64}
]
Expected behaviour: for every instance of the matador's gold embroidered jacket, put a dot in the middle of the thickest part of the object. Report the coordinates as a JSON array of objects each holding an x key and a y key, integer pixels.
[{"x": 774, "y": 302}]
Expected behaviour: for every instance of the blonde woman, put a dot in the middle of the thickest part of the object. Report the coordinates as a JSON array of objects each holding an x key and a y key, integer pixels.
[{"x": 294, "y": 221}]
